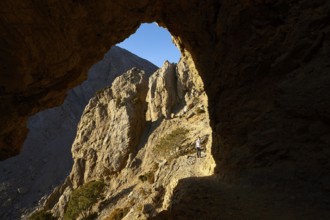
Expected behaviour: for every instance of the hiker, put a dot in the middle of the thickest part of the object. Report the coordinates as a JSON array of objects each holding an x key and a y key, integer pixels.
[
  {"x": 185, "y": 109},
  {"x": 198, "y": 147}
]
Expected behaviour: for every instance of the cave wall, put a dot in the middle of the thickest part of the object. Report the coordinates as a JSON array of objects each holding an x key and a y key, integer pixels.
[
  {"x": 47, "y": 48},
  {"x": 264, "y": 63},
  {"x": 270, "y": 103}
]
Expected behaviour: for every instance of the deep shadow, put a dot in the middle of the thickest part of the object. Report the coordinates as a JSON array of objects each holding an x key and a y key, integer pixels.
[{"x": 206, "y": 198}]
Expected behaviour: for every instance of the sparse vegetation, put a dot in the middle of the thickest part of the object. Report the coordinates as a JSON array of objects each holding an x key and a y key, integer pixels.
[
  {"x": 83, "y": 198},
  {"x": 169, "y": 143},
  {"x": 139, "y": 208},
  {"x": 118, "y": 214},
  {"x": 143, "y": 178},
  {"x": 200, "y": 110},
  {"x": 149, "y": 176},
  {"x": 100, "y": 91},
  {"x": 42, "y": 215}
]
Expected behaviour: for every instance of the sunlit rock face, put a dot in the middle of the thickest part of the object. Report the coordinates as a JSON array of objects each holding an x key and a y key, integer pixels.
[
  {"x": 264, "y": 64},
  {"x": 115, "y": 143},
  {"x": 46, "y": 158},
  {"x": 161, "y": 96},
  {"x": 110, "y": 128}
]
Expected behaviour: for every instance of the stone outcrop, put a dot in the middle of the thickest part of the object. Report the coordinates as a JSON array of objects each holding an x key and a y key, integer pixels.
[
  {"x": 108, "y": 133},
  {"x": 264, "y": 65},
  {"x": 162, "y": 92},
  {"x": 110, "y": 129},
  {"x": 116, "y": 145},
  {"x": 170, "y": 88},
  {"x": 46, "y": 158}
]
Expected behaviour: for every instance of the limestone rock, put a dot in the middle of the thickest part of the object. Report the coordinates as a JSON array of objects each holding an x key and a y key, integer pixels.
[
  {"x": 173, "y": 90},
  {"x": 110, "y": 128},
  {"x": 46, "y": 158},
  {"x": 189, "y": 84},
  {"x": 140, "y": 163},
  {"x": 60, "y": 206},
  {"x": 162, "y": 95},
  {"x": 254, "y": 57},
  {"x": 167, "y": 155},
  {"x": 108, "y": 133}
]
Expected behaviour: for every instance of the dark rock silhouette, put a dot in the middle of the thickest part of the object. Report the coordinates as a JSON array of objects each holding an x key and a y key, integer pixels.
[{"x": 265, "y": 67}]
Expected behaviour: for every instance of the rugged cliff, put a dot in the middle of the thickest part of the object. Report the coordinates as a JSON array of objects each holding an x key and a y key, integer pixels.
[
  {"x": 46, "y": 158},
  {"x": 264, "y": 64},
  {"x": 139, "y": 162}
]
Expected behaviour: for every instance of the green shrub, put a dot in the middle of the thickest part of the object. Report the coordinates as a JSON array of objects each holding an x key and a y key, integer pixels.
[
  {"x": 143, "y": 178},
  {"x": 149, "y": 176},
  {"x": 42, "y": 215},
  {"x": 100, "y": 91},
  {"x": 118, "y": 214},
  {"x": 170, "y": 142},
  {"x": 83, "y": 198}
]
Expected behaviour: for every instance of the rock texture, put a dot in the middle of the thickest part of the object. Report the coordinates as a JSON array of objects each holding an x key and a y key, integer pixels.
[
  {"x": 110, "y": 129},
  {"x": 115, "y": 144},
  {"x": 172, "y": 88},
  {"x": 46, "y": 158},
  {"x": 162, "y": 92},
  {"x": 264, "y": 65}
]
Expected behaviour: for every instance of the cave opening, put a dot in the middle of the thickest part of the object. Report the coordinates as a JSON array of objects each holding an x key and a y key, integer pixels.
[
  {"x": 264, "y": 66},
  {"x": 153, "y": 43},
  {"x": 52, "y": 131}
]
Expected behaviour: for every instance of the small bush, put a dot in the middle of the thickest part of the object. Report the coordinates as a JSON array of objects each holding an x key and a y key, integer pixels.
[
  {"x": 100, "y": 91},
  {"x": 170, "y": 142},
  {"x": 83, "y": 198},
  {"x": 42, "y": 215},
  {"x": 149, "y": 176},
  {"x": 143, "y": 178},
  {"x": 118, "y": 214}
]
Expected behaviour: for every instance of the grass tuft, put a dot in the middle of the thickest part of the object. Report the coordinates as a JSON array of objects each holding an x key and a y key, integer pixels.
[
  {"x": 42, "y": 215},
  {"x": 118, "y": 214},
  {"x": 149, "y": 176},
  {"x": 169, "y": 143},
  {"x": 83, "y": 198}
]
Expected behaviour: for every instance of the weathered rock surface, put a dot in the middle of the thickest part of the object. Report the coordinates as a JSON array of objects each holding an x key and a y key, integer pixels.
[
  {"x": 110, "y": 128},
  {"x": 115, "y": 144},
  {"x": 162, "y": 92},
  {"x": 46, "y": 159},
  {"x": 264, "y": 64},
  {"x": 172, "y": 86}
]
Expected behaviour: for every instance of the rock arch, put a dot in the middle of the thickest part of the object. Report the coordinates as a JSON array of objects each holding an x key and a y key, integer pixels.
[{"x": 264, "y": 64}]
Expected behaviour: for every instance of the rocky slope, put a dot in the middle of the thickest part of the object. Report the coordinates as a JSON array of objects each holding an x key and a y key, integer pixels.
[
  {"x": 46, "y": 157},
  {"x": 139, "y": 158},
  {"x": 264, "y": 64}
]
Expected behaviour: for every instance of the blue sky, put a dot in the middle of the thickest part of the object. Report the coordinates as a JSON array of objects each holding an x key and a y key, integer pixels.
[{"x": 152, "y": 43}]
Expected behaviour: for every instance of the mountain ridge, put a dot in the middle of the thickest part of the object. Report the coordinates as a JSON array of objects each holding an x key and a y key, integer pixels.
[
  {"x": 47, "y": 147},
  {"x": 137, "y": 137}
]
